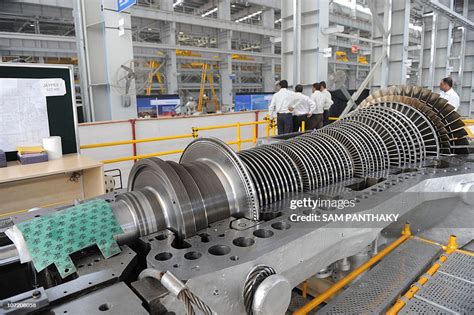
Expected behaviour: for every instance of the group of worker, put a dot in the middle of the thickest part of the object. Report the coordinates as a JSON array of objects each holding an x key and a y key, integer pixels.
[{"x": 291, "y": 109}]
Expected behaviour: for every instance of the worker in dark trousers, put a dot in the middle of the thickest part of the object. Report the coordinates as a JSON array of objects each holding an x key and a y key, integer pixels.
[
  {"x": 280, "y": 106},
  {"x": 316, "y": 120},
  {"x": 327, "y": 102},
  {"x": 302, "y": 110}
]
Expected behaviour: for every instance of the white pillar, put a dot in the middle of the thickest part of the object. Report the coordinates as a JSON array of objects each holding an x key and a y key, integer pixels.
[
  {"x": 225, "y": 65},
  {"x": 383, "y": 11},
  {"x": 314, "y": 66},
  {"x": 102, "y": 51},
  {"x": 166, "y": 5},
  {"x": 387, "y": 22},
  {"x": 223, "y": 10},
  {"x": 268, "y": 46},
  {"x": 169, "y": 37},
  {"x": 405, "y": 12}
]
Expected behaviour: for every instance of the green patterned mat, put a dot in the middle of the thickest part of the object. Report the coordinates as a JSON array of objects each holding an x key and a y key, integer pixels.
[{"x": 50, "y": 239}]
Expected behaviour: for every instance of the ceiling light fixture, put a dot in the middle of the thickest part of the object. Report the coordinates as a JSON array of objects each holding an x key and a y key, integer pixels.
[
  {"x": 209, "y": 12},
  {"x": 248, "y": 16}
]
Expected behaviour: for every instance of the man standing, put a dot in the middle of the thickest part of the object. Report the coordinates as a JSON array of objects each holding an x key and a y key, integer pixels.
[
  {"x": 280, "y": 106},
  {"x": 316, "y": 120},
  {"x": 447, "y": 92},
  {"x": 302, "y": 109},
  {"x": 327, "y": 101}
]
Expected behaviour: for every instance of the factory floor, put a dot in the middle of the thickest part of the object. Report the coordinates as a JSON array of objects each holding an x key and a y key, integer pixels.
[
  {"x": 297, "y": 301},
  {"x": 448, "y": 287}
]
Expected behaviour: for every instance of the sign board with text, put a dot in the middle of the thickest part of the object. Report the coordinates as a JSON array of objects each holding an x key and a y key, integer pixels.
[{"x": 125, "y": 4}]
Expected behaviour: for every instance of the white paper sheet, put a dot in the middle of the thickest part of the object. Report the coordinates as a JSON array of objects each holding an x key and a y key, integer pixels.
[
  {"x": 23, "y": 110},
  {"x": 15, "y": 235}
]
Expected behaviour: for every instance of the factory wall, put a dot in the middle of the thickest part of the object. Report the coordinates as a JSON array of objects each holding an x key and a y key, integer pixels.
[{"x": 91, "y": 133}]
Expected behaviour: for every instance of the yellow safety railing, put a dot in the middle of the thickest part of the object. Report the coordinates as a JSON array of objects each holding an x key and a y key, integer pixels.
[
  {"x": 142, "y": 156},
  {"x": 270, "y": 129},
  {"x": 270, "y": 126},
  {"x": 115, "y": 143},
  {"x": 468, "y": 123},
  {"x": 238, "y": 126}
]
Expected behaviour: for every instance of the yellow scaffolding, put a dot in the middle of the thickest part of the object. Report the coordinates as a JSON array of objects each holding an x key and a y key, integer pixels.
[
  {"x": 206, "y": 75},
  {"x": 154, "y": 72}
]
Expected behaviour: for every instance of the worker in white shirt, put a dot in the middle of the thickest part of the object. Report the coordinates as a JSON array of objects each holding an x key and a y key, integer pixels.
[
  {"x": 447, "y": 92},
  {"x": 280, "y": 106},
  {"x": 302, "y": 109},
  {"x": 316, "y": 120},
  {"x": 327, "y": 101}
]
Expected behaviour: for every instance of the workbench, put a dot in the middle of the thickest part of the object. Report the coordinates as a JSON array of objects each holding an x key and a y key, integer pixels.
[{"x": 55, "y": 182}]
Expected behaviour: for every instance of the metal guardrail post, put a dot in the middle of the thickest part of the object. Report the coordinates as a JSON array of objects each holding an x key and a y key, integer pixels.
[
  {"x": 238, "y": 137},
  {"x": 194, "y": 132},
  {"x": 255, "y": 134},
  {"x": 274, "y": 125}
]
